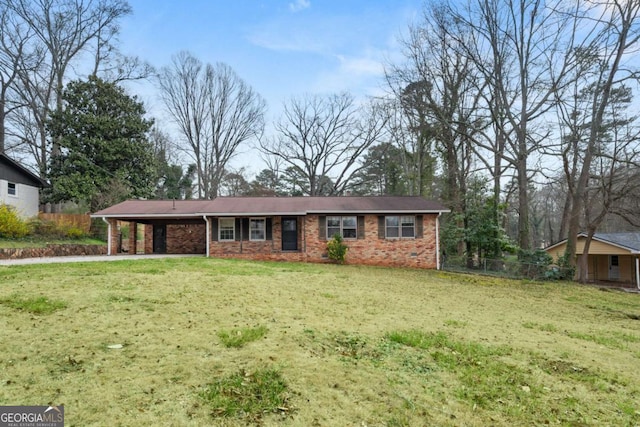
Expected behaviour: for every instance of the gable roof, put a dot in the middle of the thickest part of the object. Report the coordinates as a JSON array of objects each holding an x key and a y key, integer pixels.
[
  {"x": 257, "y": 206},
  {"x": 12, "y": 171},
  {"x": 629, "y": 241}
]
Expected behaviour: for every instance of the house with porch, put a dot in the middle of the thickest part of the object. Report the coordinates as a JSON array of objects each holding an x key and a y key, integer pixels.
[
  {"x": 613, "y": 257},
  {"x": 19, "y": 187},
  {"x": 379, "y": 230}
]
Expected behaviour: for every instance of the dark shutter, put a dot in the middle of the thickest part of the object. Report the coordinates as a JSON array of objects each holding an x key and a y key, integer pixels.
[
  {"x": 419, "y": 227},
  {"x": 360, "y": 227},
  {"x": 238, "y": 229},
  {"x": 322, "y": 227},
  {"x": 381, "y": 232},
  {"x": 245, "y": 228},
  {"x": 214, "y": 229},
  {"x": 268, "y": 227}
]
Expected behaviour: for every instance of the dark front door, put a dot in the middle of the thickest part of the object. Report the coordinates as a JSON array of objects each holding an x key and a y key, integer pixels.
[
  {"x": 159, "y": 239},
  {"x": 289, "y": 234}
]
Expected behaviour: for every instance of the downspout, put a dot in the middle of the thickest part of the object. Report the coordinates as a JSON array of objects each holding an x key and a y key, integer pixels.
[
  {"x": 638, "y": 271},
  {"x": 208, "y": 238},
  {"x": 438, "y": 241},
  {"x": 108, "y": 235}
]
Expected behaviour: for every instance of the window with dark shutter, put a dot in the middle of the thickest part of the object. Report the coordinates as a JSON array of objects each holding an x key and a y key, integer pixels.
[{"x": 381, "y": 232}]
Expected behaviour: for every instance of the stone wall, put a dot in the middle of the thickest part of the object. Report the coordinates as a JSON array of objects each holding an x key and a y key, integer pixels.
[{"x": 53, "y": 251}]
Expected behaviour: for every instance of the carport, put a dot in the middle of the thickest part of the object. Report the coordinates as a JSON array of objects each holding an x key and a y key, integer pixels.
[{"x": 170, "y": 226}]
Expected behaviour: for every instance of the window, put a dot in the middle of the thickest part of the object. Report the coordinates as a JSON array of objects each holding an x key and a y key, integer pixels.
[
  {"x": 226, "y": 229},
  {"x": 11, "y": 189},
  {"x": 400, "y": 226},
  {"x": 345, "y": 226},
  {"x": 257, "y": 229}
]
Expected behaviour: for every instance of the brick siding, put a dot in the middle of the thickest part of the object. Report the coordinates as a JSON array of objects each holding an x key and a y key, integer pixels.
[{"x": 419, "y": 252}]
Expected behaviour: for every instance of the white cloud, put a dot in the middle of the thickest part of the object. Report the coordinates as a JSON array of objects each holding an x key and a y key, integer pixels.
[{"x": 299, "y": 5}]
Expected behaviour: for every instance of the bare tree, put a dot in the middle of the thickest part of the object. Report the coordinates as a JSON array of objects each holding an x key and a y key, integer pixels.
[
  {"x": 322, "y": 139},
  {"x": 518, "y": 45},
  {"x": 440, "y": 89},
  {"x": 215, "y": 111},
  {"x": 615, "y": 34},
  {"x": 14, "y": 45},
  {"x": 61, "y": 31}
]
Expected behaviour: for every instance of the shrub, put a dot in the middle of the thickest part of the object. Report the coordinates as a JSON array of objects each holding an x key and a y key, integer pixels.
[
  {"x": 11, "y": 225},
  {"x": 336, "y": 249},
  {"x": 534, "y": 264}
]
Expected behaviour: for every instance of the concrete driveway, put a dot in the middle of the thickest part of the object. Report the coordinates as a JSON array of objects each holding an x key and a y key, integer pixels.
[{"x": 87, "y": 258}]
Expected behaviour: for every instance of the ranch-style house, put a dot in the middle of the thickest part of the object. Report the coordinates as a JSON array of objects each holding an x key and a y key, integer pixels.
[{"x": 379, "y": 230}]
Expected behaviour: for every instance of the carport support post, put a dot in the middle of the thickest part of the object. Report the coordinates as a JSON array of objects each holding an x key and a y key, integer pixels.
[
  {"x": 109, "y": 237},
  {"x": 208, "y": 233},
  {"x": 638, "y": 272},
  {"x": 133, "y": 237}
]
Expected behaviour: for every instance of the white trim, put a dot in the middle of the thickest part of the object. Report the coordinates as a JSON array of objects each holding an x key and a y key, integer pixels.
[
  {"x": 208, "y": 237},
  {"x": 342, "y": 226},
  {"x": 400, "y": 236},
  {"x": 15, "y": 189},
  {"x": 264, "y": 220},
  {"x": 233, "y": 220}
]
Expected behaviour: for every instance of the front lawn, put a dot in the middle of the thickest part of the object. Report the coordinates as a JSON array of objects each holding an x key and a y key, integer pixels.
[{"x": 196, "y": 341}]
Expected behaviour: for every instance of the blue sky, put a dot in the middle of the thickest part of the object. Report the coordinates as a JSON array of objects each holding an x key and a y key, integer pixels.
[{"x": 282, "y": 48}]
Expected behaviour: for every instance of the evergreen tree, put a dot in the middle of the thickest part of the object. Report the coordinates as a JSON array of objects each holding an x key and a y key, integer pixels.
[{"x": 105, "y": 155}]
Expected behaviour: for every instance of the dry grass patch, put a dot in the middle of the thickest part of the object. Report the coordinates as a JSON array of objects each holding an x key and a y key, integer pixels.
[{"x": 333, "y": 345}]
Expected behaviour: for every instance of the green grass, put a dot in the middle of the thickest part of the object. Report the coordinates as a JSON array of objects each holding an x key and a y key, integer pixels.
[
  {"x": 35, "y": 305},
  {"x": 237, "y": 338},
  {"x": 247, "y": 395},
  {"x": 197, "y": 341}
]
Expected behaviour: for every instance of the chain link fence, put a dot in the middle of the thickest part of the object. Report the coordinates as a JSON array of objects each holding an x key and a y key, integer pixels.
[{"x": 509, "y": 267}]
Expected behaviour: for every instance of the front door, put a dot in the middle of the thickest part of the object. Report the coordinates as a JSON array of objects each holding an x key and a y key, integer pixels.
[
  {"x": 159, "y": 239},
  {"x": 614, "y": 267},
  {"x": 289, "y": 234}
]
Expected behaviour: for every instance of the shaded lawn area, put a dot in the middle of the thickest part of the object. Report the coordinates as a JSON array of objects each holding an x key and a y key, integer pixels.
[{"x": 198, "y": 341}]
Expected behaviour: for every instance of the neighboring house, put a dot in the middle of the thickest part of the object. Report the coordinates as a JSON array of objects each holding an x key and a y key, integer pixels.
[
  {"x": 19, "y": 187},
  {"x": 613, "y": 257},
  {"x": 385, "y": 230}
]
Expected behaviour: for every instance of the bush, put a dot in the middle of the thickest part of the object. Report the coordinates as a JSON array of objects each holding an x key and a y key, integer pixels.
[
  {"x": 336, "y": 249},
  {"x": 53, "y": 230},
  {"x": 534, "y": 264},
  {"x": 11, "y": 225}
]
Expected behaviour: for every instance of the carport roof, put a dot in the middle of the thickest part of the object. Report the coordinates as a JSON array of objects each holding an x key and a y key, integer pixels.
[{"x": 256, "y": 206}]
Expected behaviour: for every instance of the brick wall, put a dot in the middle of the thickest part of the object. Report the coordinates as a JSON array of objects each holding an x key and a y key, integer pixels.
[
  {"x": 186, "y": 239},
  {"x": 371, "y": 250}
]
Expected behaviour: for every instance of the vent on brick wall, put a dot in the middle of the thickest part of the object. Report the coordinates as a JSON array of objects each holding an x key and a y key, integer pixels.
[{"x": 414, "y": 254}]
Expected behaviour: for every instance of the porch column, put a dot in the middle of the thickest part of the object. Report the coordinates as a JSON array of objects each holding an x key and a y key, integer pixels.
[
  {"x": 638, "y": 272},
  {"x": 133, "y": 237}
]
